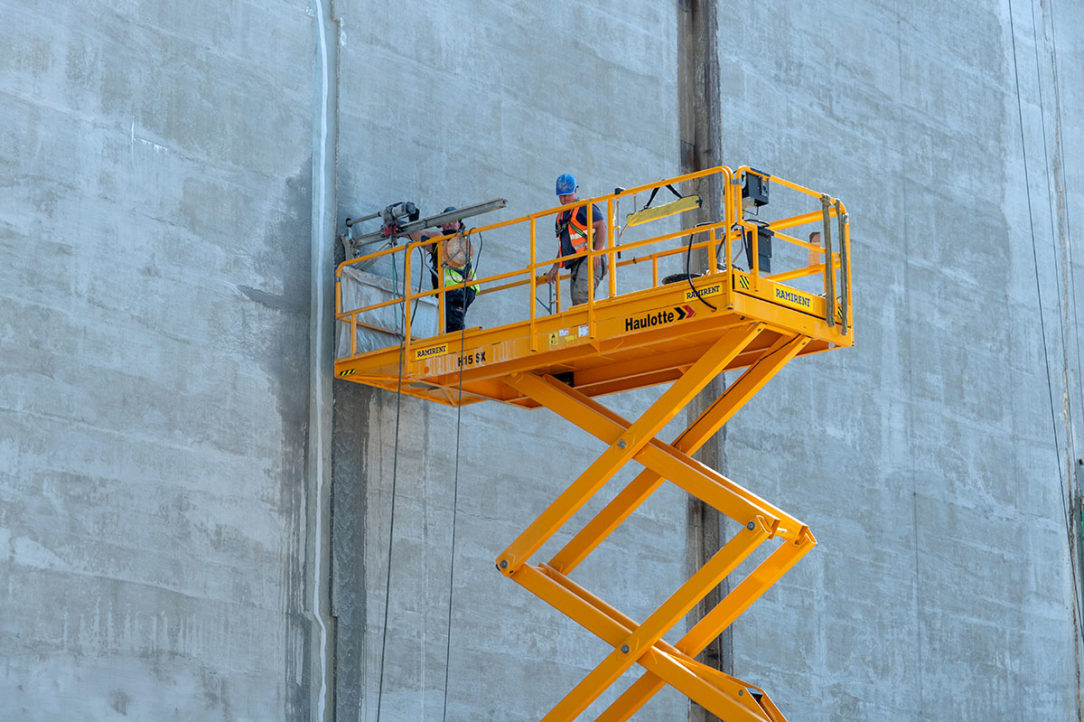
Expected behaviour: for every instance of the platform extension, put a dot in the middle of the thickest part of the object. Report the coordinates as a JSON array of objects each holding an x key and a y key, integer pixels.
[{"x": 770, "y": 292}]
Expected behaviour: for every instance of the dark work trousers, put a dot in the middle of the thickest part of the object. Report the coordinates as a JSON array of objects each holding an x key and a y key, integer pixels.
[{"x": 456, "y": 303}]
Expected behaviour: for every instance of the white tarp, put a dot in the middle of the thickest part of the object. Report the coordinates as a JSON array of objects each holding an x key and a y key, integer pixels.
[{"x": 360, "y": 289}]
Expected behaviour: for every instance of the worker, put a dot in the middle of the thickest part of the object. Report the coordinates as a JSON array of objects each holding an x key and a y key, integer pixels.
[
  {"x": 572, "y": 233},
  {"x": 456, "y": 259}
]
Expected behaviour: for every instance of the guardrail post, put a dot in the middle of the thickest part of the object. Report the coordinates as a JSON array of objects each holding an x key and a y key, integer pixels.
[
  {"x": 406, "y": 301},
  {"x": 590, "y": 261},
  {"x": 844, "y": 252},
  {"x": 829, "y": 264},
  {"x": 532, "y": 271},
  {"x": 611, "y": 227}
]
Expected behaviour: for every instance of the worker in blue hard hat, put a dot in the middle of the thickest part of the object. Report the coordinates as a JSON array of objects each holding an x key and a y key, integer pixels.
[
  {"x": 454, "y": 255},
  {"x": 572, "y": 233}
]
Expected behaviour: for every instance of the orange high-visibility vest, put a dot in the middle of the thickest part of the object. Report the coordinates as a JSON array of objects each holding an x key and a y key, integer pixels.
[{"x": 577, "y": 232}]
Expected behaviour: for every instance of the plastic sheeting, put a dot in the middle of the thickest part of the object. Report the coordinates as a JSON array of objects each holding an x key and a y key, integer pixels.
[{"x": 360, "y": 289}]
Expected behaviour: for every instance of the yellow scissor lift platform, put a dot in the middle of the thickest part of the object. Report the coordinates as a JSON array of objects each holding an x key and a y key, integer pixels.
[{"x": 732, "y": 315}]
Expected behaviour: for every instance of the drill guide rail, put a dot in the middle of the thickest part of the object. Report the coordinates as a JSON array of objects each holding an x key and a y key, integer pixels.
[{"x": 645, "y": 333}]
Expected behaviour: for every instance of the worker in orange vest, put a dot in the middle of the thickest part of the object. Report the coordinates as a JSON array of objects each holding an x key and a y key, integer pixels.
[{"x": 572, "y": 232}]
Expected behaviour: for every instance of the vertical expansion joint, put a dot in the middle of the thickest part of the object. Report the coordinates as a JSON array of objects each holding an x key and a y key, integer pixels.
[{"x": 317, "y": 496}]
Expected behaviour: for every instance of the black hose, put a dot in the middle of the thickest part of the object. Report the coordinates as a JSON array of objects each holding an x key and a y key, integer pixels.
[{"x": 688, "y": 276}]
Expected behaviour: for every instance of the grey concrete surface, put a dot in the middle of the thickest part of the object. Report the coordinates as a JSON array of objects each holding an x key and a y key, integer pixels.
[
  {"x": 925, "y": 460},
  {"x": 154, "y": 391},
  {"x": 190, "y": 530}
]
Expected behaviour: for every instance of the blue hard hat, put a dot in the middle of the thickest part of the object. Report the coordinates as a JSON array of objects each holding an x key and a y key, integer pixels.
[
  {"x": 566, "y": 184},
  {"x": 449, "y": 209}
]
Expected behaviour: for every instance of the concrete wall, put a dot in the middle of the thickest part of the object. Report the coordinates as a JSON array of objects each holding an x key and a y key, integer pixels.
[
  {"x": 925, "y": 460},
  {"x": 163, "y": 432},
  {"x": 154, "y": 363}
]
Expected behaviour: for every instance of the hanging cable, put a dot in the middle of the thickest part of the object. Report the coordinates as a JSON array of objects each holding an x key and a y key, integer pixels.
[
  {"x": 394, "y": 480},
  {"x": 481, "y": 247},
  {"x": 455, "y": 482},
  {"x": 1067, "y": 486},
  {"x": 414, "y": 310},
  {"x": 1060, "y": 154},
  {"x": 688, "y": 276},
  {"x": 1069, "y": 441},
  {"x": 455, "y": 509},
  {"x": 395, "y": 285},
  {"x": 1067, "y": 514},
  {"x": 547, "y": 306}
]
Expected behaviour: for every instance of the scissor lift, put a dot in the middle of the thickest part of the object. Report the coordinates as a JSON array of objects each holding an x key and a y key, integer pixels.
[{"x": 645, "y": 332}]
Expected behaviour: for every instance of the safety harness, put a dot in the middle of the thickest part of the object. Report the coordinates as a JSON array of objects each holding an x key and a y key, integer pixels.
[
  {"x": 456, "y": 252},
  {"x": 577, "y": 232}
]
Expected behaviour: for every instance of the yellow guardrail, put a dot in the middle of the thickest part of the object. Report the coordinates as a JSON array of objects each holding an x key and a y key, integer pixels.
[{"x": 671, "y": 226}]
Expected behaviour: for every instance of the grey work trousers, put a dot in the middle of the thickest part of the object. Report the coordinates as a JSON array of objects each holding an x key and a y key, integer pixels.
[{"x": 578, "y": 282}]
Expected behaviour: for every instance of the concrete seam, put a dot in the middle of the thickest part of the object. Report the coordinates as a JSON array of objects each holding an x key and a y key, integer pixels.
[{"x": 319, "y": 360}]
